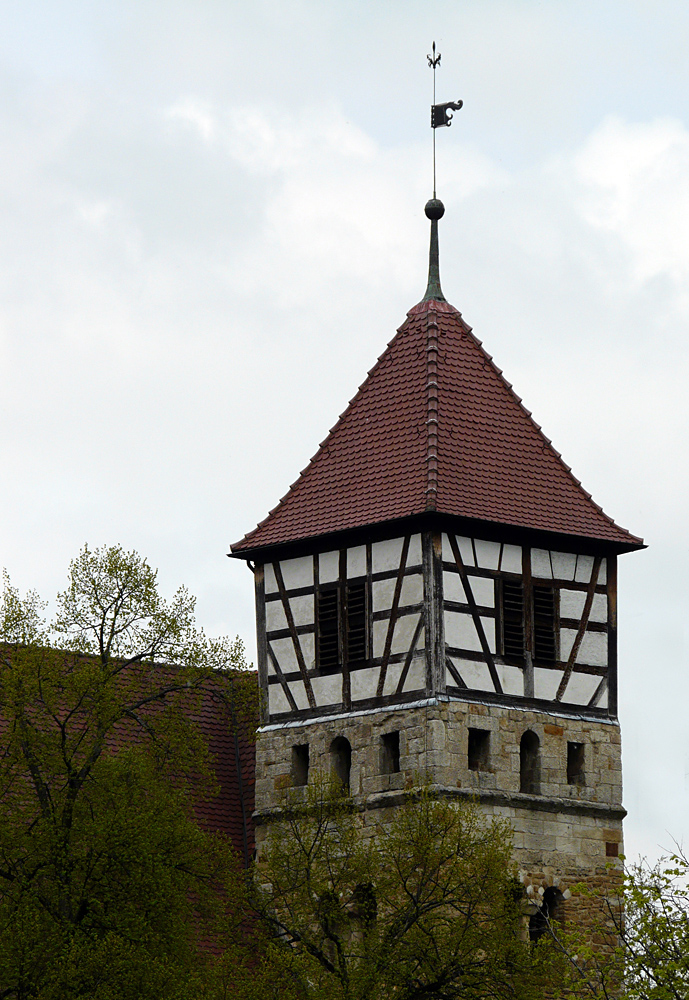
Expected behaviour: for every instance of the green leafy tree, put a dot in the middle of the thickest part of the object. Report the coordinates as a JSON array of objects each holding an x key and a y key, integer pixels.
[
  {"x": 107, "y": 882},
  {"x": 425, "y": 906},
  {"x": 637, "y": 945}
]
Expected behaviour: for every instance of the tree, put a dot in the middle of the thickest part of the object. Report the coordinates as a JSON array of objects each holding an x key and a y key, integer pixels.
[
  {"x": 107, "y": 881},
  {"x": 426, "y": 906},
  {"x": 638, "y": 947}
]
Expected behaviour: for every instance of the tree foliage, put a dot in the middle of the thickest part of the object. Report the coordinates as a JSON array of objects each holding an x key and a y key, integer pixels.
[
  {"x": 106, "y": 879},
  {"x": 638, "y": 947},
  {"x": 425, "y": 905}
]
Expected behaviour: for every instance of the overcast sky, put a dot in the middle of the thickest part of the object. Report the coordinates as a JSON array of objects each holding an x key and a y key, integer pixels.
[{"x": 211, "y": 223}]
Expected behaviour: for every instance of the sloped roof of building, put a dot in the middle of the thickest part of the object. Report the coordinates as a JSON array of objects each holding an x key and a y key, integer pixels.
[{"x": 435, "y": 427}]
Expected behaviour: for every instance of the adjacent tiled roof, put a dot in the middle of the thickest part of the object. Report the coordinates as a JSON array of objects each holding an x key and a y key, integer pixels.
[{"x": 435, "y": 427}]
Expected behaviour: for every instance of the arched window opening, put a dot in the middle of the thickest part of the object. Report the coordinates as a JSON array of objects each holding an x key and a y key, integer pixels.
[
  {"x": 530, "y": 764},
  {"x": 341, "y": 761},
  {"x": 549, "y": 912}
]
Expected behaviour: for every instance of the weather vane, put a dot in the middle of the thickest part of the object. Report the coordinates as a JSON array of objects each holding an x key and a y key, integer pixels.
[{"x": 441, "y": 114}]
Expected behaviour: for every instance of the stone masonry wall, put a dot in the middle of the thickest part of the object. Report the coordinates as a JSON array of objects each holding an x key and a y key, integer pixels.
[{"x": 568, "y": 833}]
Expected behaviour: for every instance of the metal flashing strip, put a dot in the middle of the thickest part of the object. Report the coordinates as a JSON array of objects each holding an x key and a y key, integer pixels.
[{"x": 431, "y": 703}]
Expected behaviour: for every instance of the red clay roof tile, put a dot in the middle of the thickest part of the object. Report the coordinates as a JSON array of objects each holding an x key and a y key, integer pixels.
[{"x": 435, "y": 427}]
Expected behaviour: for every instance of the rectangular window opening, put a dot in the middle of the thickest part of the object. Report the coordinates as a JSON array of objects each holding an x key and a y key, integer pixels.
[
  {"x": 390, "y": 753},
  {"x": 342, "y": 626},
  {"x": 513, "y": 619},
  {"x": 328, "y": 632},
  {"x": 356, "y": 622},
  {"x": 575, "y": 764},
  {"x": 300, "y": 764},
  {"x": 479, "y": 749},
  {"x": 544, "y": 624}
]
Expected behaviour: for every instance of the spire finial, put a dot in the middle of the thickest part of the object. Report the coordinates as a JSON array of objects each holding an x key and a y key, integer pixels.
[{"x": 440, "y": 115}]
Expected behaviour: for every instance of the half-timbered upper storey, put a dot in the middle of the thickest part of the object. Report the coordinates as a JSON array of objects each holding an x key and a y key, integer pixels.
[{"x": 436, "y": 545}]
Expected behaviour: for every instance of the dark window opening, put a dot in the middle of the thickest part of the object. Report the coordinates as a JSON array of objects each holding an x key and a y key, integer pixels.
[
  {"x": 300, "y": 764},
  {"x": 612, "y": 849},
  {"x": 330, "y": 611},
  {"x": 365, "y": 904},
  {"x": 390, "y": 753},
  {"x": 575, "y": 764},
  {"x": 479, "y": 749},
  {"x": 341, "y": 761},
  {"x": 356, "y": 622},
  {"x": 530, "y": 764},
  {"x": 544, "y": 624},
  {"x": 328, "y": 631},
  {"x": 513, "y": 619},
  {"x": 549, "y": 911}
]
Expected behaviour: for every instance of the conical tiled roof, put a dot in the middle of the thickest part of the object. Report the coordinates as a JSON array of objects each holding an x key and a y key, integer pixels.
[{"x": 435, "y": 428}]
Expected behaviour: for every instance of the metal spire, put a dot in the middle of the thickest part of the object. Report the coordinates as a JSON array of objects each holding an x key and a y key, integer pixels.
[{"x": 440, "y": 116}]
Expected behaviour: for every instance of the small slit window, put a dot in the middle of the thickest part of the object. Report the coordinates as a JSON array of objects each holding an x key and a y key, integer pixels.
[
  {"x": 479, "y": 750},
  {"x": 575, "y": 764},
  {"x": 341, "y": 761},
  {"x": 300, "y": 764},
  {"x": 530, "y": 764},
  {"x": 390, "y": 753}
]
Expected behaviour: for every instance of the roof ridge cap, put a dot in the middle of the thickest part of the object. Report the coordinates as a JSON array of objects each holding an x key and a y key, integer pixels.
[{"x": 432, "y": 409}]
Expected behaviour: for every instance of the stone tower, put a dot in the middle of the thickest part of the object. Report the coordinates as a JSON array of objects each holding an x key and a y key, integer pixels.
[{"x": 436, "y": 596}]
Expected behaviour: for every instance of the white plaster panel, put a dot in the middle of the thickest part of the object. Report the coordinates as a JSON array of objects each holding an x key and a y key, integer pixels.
[
  {"x": 447, "y": 550},
  {"x": 584, "y": 567},
  {"x": 386, "y": 555},
  {"x": 356, "y": 561},
  {"x": 564, "y": 565},
  {"x": 297, "y": 572},
  {"x": 308, "y": 649},
  {"x": 269, "y": 577},
  {"x": 475, "y": 675},
  {"x": 327, "y": 690},
  {"x": 328, "y": 567},
  {"x": 487, "y": 553},
  {"x": 466, "y": 550},
  {"x": 580, "y": 689},
  {"x": 603, "y": 700},
  {"x": 511, "y": 678},
  {"x": 382, "y": 593},
  {"x": 460, "y": 631},
  {"x": 572, "y": 605},
  {"x": 412, "y": 589},
  {"x": 392, "y": 678},
  {"x": 404, "y": 633},
  {"x": 416, "y": 678},
  {"x": 380, "y": 631},
  {"x": 603, "y": 571},
  {"x": 277, "y": 702},
  {"x": 593, "y": 649},
  {"x": 284, "y": 654},
  {"x": 546, "y": 683},
  {"x": 364, "y": 683},
  {"x": 299, "y": 694},
  {"x": 415, "y": 555},
  {"x": 483, "y": 590},
  {"x": 275, "y": 616},
  {"x": 540, "y": 564},
  {"x": 269, "y": 664},
  {"x": 303, "y": 609},
  {"x": 511, "y": 559},
  {"x": 453, "y": 589}
]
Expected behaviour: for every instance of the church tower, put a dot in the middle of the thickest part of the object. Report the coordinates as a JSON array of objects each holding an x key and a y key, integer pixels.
[{"x": 436, "y": 596}]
